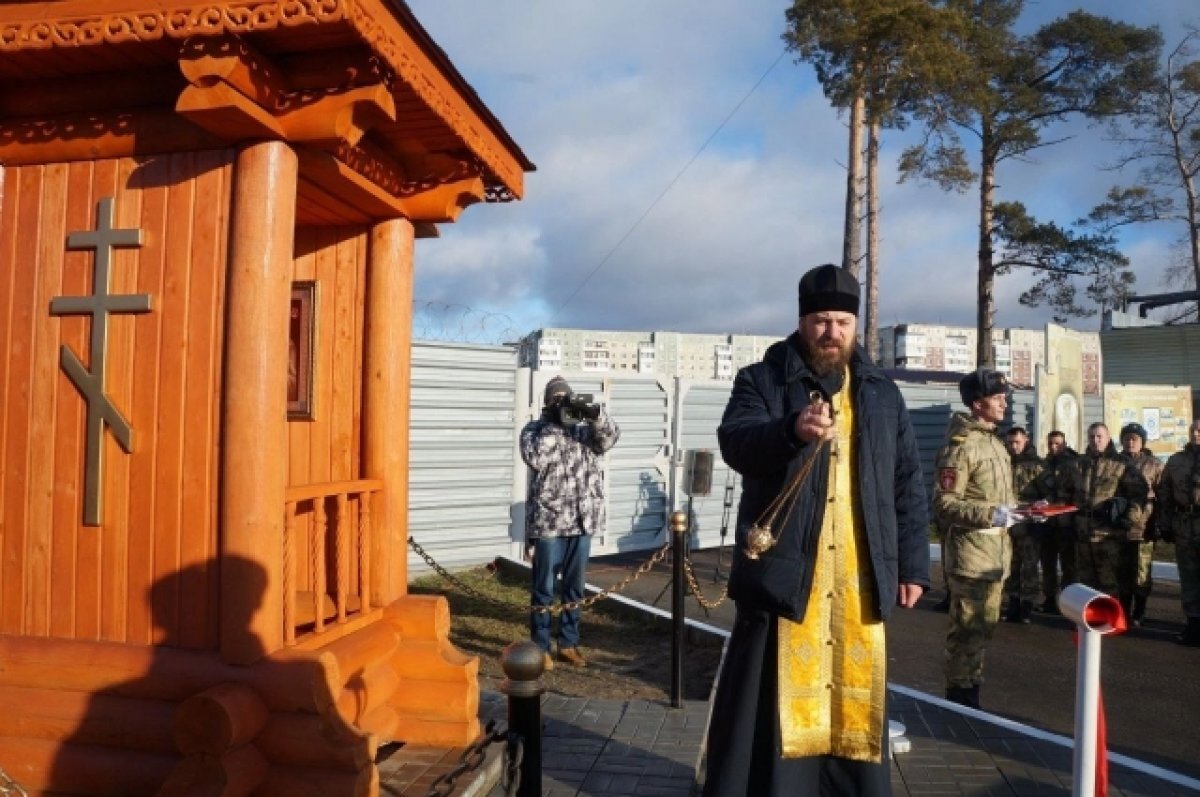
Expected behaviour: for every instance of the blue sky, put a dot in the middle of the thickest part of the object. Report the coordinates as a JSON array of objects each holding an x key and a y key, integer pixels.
[{"x": 622, "y": 229}]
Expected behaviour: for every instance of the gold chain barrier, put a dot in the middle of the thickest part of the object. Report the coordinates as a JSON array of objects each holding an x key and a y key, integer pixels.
[
  {"x": 694, "y": 586},
  {"x": 556, "y": 608}
]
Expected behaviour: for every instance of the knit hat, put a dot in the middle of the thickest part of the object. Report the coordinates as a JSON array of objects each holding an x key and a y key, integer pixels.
[
  {"x": 556, "y": 387},
  {"x": 828, "y": 287},
  {"x": 981, "y": 384}
]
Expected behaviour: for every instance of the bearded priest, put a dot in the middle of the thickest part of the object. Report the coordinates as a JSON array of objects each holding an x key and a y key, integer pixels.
[{"x": 832, "y": 533}]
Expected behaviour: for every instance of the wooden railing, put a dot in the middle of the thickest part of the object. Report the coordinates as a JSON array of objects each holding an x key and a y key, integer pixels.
[{"x": 351, "y": 553}]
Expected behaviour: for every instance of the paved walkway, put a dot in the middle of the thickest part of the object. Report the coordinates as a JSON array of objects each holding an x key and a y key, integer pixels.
[
  {"x": 605, "y": 748},
  {"x": 611, "y": 748}
]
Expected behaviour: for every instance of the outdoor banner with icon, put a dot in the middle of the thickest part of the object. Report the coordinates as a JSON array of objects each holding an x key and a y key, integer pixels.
[{"x": 1165, "y": 411}]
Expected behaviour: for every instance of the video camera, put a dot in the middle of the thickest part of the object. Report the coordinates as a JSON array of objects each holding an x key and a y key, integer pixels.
[{"x": 577, "y": 408}]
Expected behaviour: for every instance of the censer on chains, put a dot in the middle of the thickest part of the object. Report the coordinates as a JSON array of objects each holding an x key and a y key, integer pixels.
[{"x": 761, "y": 538}]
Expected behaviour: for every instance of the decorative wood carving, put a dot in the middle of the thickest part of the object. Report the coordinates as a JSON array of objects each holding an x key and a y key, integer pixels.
[
  {"x": 93, "y": 136},
  {"x": 145, "y": 24},
  {"x": 207, "y": 60},
  {"x": 373, "y": 20}
]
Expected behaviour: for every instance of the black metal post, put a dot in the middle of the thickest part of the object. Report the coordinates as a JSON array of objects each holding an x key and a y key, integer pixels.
[
  {"x": 679, "y": 526},
  {"x": 522, "y": 662}
]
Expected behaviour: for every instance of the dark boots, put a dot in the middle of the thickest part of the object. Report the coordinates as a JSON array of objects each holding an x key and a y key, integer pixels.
[
  {"x": 1018, "y": 610},
  {"x": 1191, "y": 634},
  {"x": 1138, "y": 613},
  {"x": 964, "y": 695},
  {"x": 1049, "y": 606}
]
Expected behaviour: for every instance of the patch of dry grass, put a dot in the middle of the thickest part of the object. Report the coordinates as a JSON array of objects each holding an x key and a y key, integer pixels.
[{"x": 629, "y": 653}]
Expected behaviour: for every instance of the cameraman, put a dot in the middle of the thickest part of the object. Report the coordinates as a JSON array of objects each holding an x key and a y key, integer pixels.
[{"x": 564, "y": 507}]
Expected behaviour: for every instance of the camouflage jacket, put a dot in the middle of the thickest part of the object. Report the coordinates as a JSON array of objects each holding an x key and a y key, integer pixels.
[
  {"x": 566, "y": 486},
  {"x": 1179, "y": 491},
  {"x": 1051, "y": 486},
  {"x": 1151, "y": 468},
  {"x": 974, "y": 477},
  {"x": 1027, "y": 471},
  {"x": 1111, "y": 495}
]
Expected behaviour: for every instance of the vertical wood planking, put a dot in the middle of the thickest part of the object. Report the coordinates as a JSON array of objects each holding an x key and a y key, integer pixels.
[
  {"x": 70, "y": 417},
  {"x": 299, "y": 432},
  {"x": 343, "y": 368},
  {"x": 57, "y": 577},
  {"x": 145, "y": 378},
  {"x": 39, "y": 526},
  {"x": 96, "y": 569},
  {"x": 199, "y": 419},
  {"x": 8, "y": 272},
  {"x": 170, "y": 609},
  {"x": 319, "y": 429},
  {"x": 9, "y": 199},
  {"x": 14, "y": 584},
  {"x": 327, "y": 448},
  {"x": 115, "y": 533}
]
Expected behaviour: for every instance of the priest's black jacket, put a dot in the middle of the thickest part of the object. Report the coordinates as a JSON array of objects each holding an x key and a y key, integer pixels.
[{"x": 757, "y": 440}]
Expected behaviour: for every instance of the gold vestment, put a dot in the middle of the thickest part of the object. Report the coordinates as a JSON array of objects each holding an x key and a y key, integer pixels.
[{"x": 832, "y": 666}]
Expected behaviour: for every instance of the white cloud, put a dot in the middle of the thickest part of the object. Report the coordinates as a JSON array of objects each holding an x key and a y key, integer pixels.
[{"x": 612, "y": 100}]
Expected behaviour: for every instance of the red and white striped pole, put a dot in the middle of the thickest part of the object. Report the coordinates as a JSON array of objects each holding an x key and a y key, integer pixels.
[{"x": 1095, "y": 615}]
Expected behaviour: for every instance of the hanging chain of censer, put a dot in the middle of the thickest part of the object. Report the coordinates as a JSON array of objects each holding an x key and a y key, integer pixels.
[{"x": 761, "y": 537}]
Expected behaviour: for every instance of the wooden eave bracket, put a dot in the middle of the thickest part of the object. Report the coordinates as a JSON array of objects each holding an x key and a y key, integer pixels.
[
  {"x": 237, "y": 93},
  {"x": 442, "y": 203},
  {"x": 344, "y": 116}
]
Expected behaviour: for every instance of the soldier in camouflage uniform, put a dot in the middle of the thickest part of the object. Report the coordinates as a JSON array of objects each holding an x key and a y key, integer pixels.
[
  {"x": 1023, "y": 586},
  {"x": 1111, "y": 495},
  {"x": 1136, "y": 582},
  {"x": 1179, "y": 496},
  {"x": 974, "y": 504},
  {"x": 1058, "y": 533}
]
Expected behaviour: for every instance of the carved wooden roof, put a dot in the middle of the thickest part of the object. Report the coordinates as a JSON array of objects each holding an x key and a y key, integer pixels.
[{"x": 382, "y": 120}]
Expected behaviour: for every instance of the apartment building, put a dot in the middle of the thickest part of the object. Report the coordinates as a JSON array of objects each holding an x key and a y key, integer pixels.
[
  {"x": 1017, "y": 351},
  {"x": 683, "y": 354}
]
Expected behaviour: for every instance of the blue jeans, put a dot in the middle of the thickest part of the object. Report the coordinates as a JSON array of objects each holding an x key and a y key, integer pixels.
[{"x": 551, "y": 556}]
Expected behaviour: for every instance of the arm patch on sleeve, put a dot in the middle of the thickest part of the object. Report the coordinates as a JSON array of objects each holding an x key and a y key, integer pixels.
[{"x": 947, "y": 478}]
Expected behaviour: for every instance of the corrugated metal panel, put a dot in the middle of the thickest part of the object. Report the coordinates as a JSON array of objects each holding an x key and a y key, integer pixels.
[
  {"x": 698, "y": 410},
  {"x": 468, "y": 482},
  {"x": 636, "y": 468},
  {"x": 1153, "y": 356},
  {"x": 463, "y": 434}
]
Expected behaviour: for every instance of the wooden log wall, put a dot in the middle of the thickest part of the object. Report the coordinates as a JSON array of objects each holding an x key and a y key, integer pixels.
[{"x": 59, "y": 578}]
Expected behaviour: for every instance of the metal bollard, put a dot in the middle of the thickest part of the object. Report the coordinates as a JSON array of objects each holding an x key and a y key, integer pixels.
[
  {"x": 522, "y": 664},
  {"x": 1095, "y": 614},
  {"x": 679, "y": 527}
]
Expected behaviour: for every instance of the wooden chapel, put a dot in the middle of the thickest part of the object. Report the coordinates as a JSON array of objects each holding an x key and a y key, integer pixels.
[{"x": 207, "y": 218}]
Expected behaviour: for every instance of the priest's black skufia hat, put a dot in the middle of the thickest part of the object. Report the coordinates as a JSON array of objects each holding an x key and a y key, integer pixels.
[
  {"x": 828, "y": 287},
  {"x": 981, "y": 384}
]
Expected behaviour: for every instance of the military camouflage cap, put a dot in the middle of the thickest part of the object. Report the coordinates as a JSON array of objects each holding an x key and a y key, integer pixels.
[
  {"x": 1134, "y": 428},
  {"x": 981, "y": 384}
]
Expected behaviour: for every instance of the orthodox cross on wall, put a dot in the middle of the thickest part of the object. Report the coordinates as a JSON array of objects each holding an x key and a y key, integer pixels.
[{"x": 100, "y": 409}]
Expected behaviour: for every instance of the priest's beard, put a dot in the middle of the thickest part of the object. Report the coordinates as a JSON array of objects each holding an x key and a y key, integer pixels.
[{"x": 825, "y": 357}]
